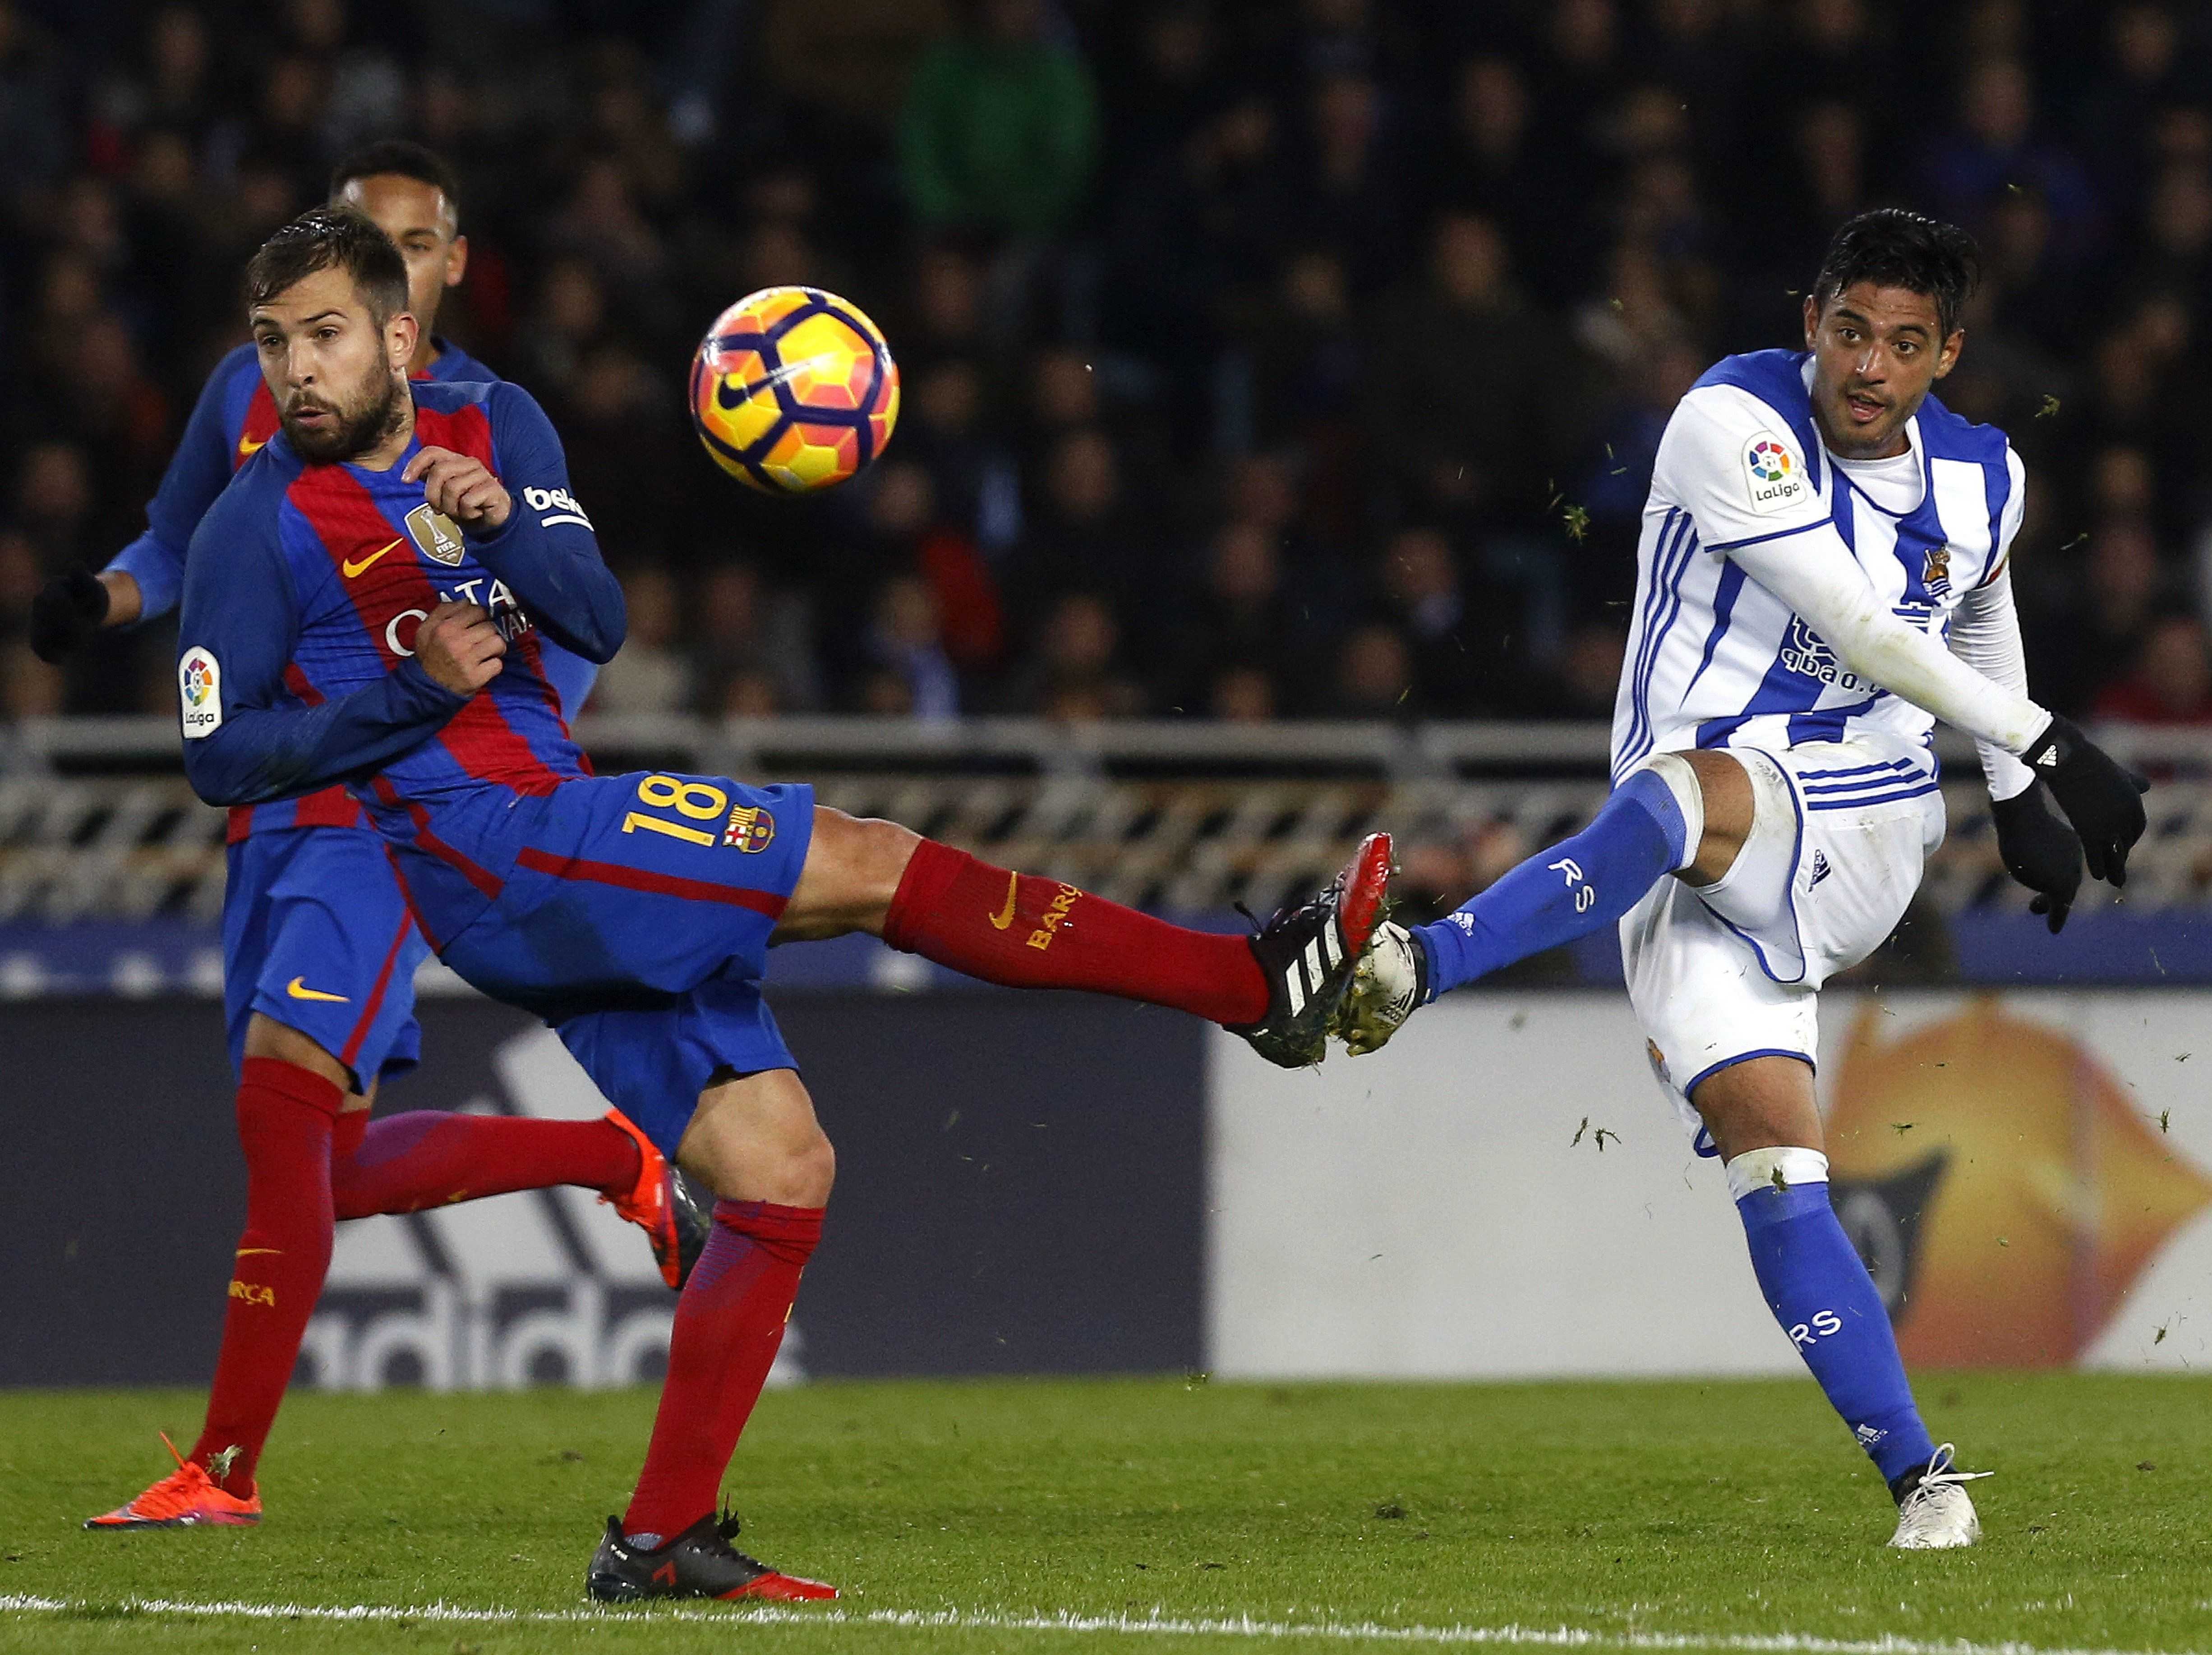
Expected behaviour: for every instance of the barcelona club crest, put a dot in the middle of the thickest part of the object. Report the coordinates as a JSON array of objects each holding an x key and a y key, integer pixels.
[
  {"x": 750, "y": 828},
  {"x": 437, "y": 534}
]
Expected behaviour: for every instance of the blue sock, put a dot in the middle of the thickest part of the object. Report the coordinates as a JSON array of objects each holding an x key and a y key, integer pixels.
[
  {"x": 1826, "y": 1302},
  {"x": 1635, "y": 840}
]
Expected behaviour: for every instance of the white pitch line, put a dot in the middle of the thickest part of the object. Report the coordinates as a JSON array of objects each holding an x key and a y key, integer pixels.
[{"x": 1155, "y": 1625}]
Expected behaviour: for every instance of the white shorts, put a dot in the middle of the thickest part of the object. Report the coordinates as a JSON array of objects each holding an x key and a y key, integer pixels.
[{"x": 1732, "y": 970}]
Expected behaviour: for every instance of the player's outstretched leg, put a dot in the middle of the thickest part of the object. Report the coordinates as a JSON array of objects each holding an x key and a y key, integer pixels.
[
  {"x": 1818, "y": 1289},
  {"x": 288, "y": 1096},
  {"x": 431, "y": 1158},
  {"x": 755, "y": 1142},
  {"x": 1656, "y": 822},
  {"x": 1278, "y": 990}
]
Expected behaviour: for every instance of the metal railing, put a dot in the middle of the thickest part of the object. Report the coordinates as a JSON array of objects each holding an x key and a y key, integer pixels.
[
  {"x": 96, "y": 819},
  {"x": 754, "y": 746}
]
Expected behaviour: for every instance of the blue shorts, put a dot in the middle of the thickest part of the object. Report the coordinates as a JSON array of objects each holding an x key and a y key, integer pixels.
[
  {"x": 633, "y": 917},
  {"x": 316, "y": 936}
]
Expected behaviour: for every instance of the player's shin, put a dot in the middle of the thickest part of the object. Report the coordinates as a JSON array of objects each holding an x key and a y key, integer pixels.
[
  {"x": 1031, "y": 932},
  {"x": 1819, "y": 1291},
  {"x": 1649, "y": 827},
  {"x": 429, "y": 1158},
  {"x": 285, "y": 1115},
  {"x": 729, "y": 1323}
]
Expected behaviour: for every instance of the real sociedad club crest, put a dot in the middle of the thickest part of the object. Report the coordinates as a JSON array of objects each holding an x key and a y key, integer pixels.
[{"x": 1936, "y": 571}]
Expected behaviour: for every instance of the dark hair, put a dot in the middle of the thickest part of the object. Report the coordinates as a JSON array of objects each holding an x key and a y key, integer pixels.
[
  {"x": 402, "y": 159},
  {"x": 331, "y": 237},
  {"x": 1894, "y": 248}
]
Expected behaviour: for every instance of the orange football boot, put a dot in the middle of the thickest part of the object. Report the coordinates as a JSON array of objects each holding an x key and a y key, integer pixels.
[
  {"x": 184, "y": 1498},
  {"x": 661, "y": 1205}
]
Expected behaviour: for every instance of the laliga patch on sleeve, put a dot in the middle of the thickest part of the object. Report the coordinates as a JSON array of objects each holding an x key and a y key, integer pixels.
[
  {"x": 199, "y": 693},
  {"x": 1773, "y": 474}
]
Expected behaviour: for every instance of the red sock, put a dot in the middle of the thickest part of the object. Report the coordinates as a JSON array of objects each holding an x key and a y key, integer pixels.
[
  {"x": 729, "y": 1322},
  {"x": 429, "y": 1158},
  {"x": 1028, "y": 932},
  {"x": 284, "y": 1118}
]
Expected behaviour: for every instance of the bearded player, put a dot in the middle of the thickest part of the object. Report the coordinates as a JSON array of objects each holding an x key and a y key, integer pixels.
[
  {"x": 1820, "y": 527},
  {"x": 371, "y": 600},
  {"x": 319, "y": 951}
]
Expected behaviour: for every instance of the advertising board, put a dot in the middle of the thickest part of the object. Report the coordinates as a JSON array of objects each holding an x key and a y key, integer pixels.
[{"x": 1504, "y": 1191}]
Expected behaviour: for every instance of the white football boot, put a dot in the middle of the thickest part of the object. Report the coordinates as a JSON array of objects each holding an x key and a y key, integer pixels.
[
  {"x": 1390, "y": 981},
  {"x": 1935, "y": 1514}
]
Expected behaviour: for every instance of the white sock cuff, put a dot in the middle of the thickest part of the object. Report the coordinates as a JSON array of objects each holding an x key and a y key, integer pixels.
[
  {"x": 1770, "y": 1169},
  {"x": 1689, "y": 798}
]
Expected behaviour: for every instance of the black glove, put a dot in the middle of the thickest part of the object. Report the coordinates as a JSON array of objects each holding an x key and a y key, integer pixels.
[
  {"x": 2103, "y": 801},
  {"x": 68, "y": 609},
  {"x": 2040, "y": 852}
]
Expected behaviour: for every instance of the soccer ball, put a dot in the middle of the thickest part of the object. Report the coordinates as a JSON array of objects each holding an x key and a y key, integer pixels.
[{"x": 793, "y": 389}]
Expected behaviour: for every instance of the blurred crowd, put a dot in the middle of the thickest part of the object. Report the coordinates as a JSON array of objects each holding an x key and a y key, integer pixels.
[{"x": 1263, "y": 358}]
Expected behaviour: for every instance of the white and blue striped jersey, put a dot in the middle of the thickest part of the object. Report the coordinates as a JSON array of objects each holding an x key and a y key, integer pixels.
[{"x": 1714, "y": 658}]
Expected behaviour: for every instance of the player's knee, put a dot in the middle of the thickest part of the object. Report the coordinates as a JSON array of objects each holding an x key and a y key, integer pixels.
[
  {"x": 755, "y": 1137},
  {"x": 267, "y": 1037},
  {"x": 1760, "y": 1103},
  {"x": 1725, "y": 802},
  {"x": 794, "y": 1170},
  {"x": 852, "y": 871},
  {"x": 811, "y": 1171},
  {"x": 872, "y": 854}
]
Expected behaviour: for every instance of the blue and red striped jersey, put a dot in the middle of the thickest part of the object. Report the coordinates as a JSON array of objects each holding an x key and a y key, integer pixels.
[
  {"x": 234, "y": 418},
  {"x": 304, "y": 585}
]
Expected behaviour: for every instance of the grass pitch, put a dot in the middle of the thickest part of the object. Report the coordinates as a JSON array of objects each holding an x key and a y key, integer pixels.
[{"x": 1145, "y": 1515}]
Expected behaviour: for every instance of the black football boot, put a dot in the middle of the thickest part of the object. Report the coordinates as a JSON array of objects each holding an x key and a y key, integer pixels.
[
  {"x": 1307, "y": 954},
  {"x": 700, "y": 1563}
]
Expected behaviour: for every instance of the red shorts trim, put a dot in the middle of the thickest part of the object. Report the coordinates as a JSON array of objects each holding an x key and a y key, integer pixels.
[
  {"x": 407, "y": 895},
  {"x": 483, "y": 880},
  {"x": 427, "y": 840},
  {"x": 640, "y": 879},
  {"x": 375, "y": 996},
  {"x": 331, "y": 806}
]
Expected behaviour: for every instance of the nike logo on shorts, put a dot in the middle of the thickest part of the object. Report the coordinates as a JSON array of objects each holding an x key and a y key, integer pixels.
[{"x": 298, "y": 989}]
